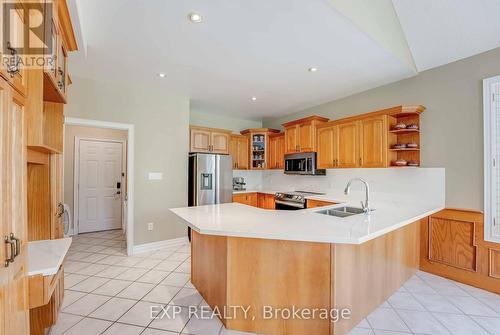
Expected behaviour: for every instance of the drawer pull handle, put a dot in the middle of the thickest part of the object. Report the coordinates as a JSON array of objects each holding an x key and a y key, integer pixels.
[
  {"x": 12, "y": 251},
  {"x": 18, "y": 244}
]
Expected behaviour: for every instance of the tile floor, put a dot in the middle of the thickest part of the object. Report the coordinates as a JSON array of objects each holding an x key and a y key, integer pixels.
[{"x": 110, "y": 293}]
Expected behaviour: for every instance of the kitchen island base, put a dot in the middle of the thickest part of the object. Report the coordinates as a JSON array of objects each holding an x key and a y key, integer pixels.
[{"x": 274, "y": 277}]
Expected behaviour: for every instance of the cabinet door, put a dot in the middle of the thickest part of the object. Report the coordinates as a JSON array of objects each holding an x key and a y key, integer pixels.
[
  {"x": 280, "y": 153},
  {"x": 234, "y": 150},
  {"x": 13, "y": 281},
  {"x": 306, "y": 137},
  {"x": 243, "y": 147},
  {"x": 347, "y": 145},
  {"x": 16, "y": 41},
  {"x": 326, "y": 147},
  {"x": 200, "y": 140},
  {"x": 373, "y": 142},
  {"x": 291, "y": 140},
  {"x": 273, "y": 151},
  {"x": 219, "y": 142}
]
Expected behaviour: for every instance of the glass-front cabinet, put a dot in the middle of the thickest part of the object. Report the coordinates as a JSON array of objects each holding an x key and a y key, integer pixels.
[{"x": 259, "y": 147}]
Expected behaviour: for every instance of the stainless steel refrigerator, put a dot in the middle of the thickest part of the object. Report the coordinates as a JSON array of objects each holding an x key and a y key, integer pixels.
[{"x": 210, "y": 179}]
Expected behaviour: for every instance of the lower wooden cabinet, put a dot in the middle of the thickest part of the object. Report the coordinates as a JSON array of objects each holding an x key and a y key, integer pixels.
[
  {"x": 318, "y": 203},
  {"x": 261, "y": 200},
  {"x": 249, "y": 199}
]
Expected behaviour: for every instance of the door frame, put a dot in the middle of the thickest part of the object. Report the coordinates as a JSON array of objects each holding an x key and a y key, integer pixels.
[
  {"x": 76, "y": 175},
  {"x": 130, "y": 167}
]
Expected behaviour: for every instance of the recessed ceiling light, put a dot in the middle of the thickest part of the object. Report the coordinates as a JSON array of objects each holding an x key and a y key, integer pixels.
[
  {"x": 195, "y": 17},
  {"x": 313, "y": 69},
  {"x": 162, "y": 75},
  {"x": 254, "y": 98}
]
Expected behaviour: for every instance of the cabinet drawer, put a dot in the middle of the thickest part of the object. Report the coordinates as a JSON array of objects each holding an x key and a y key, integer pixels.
[
  {"x": 319, "y": 203},
  {"x": 41, "y": 288}
]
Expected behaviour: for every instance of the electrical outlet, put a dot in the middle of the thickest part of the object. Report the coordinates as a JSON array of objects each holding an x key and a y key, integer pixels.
[{"x": 151, "y": 226}]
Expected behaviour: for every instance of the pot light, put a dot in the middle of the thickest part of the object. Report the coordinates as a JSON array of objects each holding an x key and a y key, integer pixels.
[
  {"x": 195, "y": 17},
  {"x": 254, "y": 98},
  {"x": 162, "y": 75},
  {"x": 313, "y": 69}
]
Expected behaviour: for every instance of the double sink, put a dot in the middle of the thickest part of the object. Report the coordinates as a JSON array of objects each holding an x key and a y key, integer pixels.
[{"x": 341, "y": 212}]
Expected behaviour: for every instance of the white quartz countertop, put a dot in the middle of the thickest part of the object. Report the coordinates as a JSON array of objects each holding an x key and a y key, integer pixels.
[
  {"x": 238, "y": 220},
  {"x": 46, "y": 256}
]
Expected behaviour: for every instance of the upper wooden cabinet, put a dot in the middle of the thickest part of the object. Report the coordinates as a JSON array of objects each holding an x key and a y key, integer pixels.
[
  {"x": 300, "y": 135},
  {"x": 277, "y": 151},
  {"x": 368, "y": 140},
  {"x": 209, "y": 140},
  {"x": 259, "y": 147},
  {"x": 239, "y": 151},
  {"x": 45, "y": 126},
  {"x": 373, "y": 142}
]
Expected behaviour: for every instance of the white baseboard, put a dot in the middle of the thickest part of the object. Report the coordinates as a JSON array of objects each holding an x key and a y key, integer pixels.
[{"x": 146, "y": 247}]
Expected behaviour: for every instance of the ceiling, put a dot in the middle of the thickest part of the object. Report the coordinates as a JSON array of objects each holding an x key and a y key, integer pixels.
[{"x": 264, "y": 48}]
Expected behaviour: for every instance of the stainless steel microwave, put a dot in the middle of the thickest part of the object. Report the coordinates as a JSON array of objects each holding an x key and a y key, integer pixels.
[{"x": 303, "y": 163}]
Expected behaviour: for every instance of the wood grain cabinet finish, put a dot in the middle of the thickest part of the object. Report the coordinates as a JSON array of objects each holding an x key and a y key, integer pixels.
[
  {"x": 239, "y": 151},
  {"x": 373, "y": 142},
  {"x": 318, "y": 203},
  {"x": 249, "y": 199},
  {"x": 13, "y": 217},
  {"x": 277, "y": 151},
  {"x": 265, "y": 201},
  {"x": 300, "y": 135},
  {"x": 452, "y": 245},
  {"x": 327, "y": 147},
  {"x": 348, "y": 145},
  {"x": 209, "y": 140}
]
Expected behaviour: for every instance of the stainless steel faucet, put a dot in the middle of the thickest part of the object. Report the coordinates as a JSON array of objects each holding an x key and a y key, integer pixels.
[{"x": 366, "y": 204}]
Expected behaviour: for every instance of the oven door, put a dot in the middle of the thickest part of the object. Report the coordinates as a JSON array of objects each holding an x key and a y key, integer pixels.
[{"x": 288, "y": 206}]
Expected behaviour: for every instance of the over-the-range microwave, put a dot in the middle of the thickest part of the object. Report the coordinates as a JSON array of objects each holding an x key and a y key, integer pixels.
[{"x": 303, "y": 163}]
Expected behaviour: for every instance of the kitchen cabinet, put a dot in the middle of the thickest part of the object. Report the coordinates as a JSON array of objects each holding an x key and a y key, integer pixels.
[
  {"x": 249, "y": 199},
  {"x": 239, "y": 146},
  {"x": 318, "y": 203},
  {"x": 209, "y": 140},
  {"x": 347, "y": 145},
  {"x": 373, "y": 149},
  {"x": 14, "y": 317},
  {"x": 277, "y": 151},
  {"x": 265, "y": 201},
  {"x": 259, "y": 147},
  {"x": 45, "y": 123},
  {"x": 300, "y": 135},
  {"x": 361, "y": 143}
]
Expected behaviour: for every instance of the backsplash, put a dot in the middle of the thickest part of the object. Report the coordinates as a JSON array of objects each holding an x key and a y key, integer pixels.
[{"x": 409, "y": 184}]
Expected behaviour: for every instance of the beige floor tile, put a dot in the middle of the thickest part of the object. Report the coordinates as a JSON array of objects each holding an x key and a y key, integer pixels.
[
  {"x": 136, "y": 291},
  {"x": 113, "y": 309}
]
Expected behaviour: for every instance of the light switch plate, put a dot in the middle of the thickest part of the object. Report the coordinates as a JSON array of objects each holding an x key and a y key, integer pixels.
[{"x": 155, "y": 176}]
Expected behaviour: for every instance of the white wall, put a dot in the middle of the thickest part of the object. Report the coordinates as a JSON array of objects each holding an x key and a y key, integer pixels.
[
  {"x": 214, "y": 120},
  {"x": 161, "y": 119}
]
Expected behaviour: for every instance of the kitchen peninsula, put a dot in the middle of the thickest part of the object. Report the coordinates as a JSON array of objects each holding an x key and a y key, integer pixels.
[{"x": 247, "y": 256}]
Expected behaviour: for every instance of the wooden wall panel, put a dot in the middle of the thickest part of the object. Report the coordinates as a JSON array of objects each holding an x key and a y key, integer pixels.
[
  {"x": 38, "y": 202},
  {"x": 494, "y": 263},
  {"x": 209, "y": 267},
  {"x": 365, "y": 275},
  {"x": 487, "y": 259},
  {"x": 452, "y": 242},
  {"x": 278, "y": 274}
]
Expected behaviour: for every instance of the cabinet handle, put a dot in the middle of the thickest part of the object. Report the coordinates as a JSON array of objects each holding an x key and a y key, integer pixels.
[
  {"x": 13, "y": 69},
  {"x": 12, "y": 251},
  {"x": 18, "y": 244},
  {"x": 360, "y": 162},
  {"x": 60, "y": 210}
]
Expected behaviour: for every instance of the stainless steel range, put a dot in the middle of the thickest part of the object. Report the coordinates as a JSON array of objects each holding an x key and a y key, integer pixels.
[{"x": 292, "y": 200}]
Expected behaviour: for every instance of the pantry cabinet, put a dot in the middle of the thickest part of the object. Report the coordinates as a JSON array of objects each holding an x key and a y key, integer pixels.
[
  {"x": 259, "y": 147},
  {"x": 277, "y": 151},
  {"x": 239, "y": 147},
  {"x": 300, "y": 135},
  {"x": 209, "y": 140}
]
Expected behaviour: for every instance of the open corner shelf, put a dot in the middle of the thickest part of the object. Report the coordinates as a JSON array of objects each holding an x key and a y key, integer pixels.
[{"x": 404, "y": 131}]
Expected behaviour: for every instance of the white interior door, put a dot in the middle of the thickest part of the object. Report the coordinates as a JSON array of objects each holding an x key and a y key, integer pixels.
[{"x": 99, "y": 198}]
